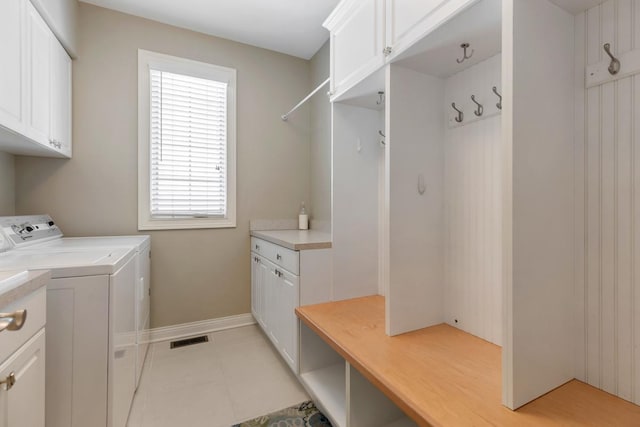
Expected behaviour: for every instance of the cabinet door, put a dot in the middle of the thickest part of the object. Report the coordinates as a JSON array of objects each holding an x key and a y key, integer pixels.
[
  {"x": 407, "y": 21},
  {"x": 12, "y": 64},
  {"x": 39, "y": 77},
  {"x": 23, "y": 403},
  {"x": 260, "y": 273},
  {"x": 60, "y": 98},
  {"x": 272, "y": 302},
  {"x": 357, "y": 35},
  {"x": 289, "y": 299},
  {"x": 254, "y": 286}
]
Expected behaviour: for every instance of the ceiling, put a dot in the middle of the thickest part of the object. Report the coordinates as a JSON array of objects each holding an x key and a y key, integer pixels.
[{"x": 293, "y": 27}]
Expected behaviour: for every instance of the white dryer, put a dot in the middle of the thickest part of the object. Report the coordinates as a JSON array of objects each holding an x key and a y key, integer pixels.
[{"x": 91, "y": 324}]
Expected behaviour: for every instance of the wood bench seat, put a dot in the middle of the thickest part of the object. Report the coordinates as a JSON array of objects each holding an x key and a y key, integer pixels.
[{"x": 441, "y": 376}]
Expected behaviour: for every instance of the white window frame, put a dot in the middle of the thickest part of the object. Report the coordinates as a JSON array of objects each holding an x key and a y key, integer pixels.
[{"x": 147, "y": 60}]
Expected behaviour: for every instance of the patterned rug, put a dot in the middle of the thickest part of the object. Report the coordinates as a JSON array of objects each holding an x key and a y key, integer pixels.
[{"x": 303, "y": 415}]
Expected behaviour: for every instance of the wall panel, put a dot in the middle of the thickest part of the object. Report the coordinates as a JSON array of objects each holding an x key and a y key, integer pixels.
[
  {"x": 610, "y": 186},
  {"x": 473, "y": 205}
]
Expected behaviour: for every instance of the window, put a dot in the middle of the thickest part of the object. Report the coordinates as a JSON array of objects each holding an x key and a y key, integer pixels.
[{"x": 186, "y": 143}]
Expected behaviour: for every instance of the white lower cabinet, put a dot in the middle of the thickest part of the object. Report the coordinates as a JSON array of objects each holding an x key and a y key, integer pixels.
[
  {"x": 22, "y": 364},
  {"x": 22, "y": 401},
  {"x": 281, "y": 280},
  {"x": 274, "y": 296}
]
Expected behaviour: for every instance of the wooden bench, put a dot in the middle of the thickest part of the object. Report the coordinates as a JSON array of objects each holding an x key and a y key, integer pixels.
[{"x": 441, "y": 376}]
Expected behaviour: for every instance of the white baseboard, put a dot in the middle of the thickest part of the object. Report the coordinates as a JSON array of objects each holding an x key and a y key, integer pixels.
[{"x": 185, "y": 330}]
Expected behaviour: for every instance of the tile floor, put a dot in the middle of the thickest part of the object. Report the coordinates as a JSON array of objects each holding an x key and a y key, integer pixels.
[{"x": 234, "y": 377}]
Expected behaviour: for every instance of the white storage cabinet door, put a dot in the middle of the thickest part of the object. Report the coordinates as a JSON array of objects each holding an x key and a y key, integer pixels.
[
  {"x": 39, "y": 88},
  {"x": 408, "y": 21},
  {"x": 259, "y": 275},
  {"x": 289, "y": 296},
  {"x": 12, "y": 64},
  {"x": 22, "y": 404},
  {"x": 60, "y": 99},
  {"x": 357, "y": 35}
]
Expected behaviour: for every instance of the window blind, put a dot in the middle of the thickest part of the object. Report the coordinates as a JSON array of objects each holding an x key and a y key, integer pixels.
[{"x": 188, "y": 143}]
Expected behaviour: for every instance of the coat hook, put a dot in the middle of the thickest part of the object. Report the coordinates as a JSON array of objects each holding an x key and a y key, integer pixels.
[
  {"x": 480, "y": 109},
  {"x": 465, "y": 46},
  {"x": 499, "y": 104},
  {"x": 380, "y": 100},
  {"x": 614, "y": 67},
  {"x": 460, "y": 117}
]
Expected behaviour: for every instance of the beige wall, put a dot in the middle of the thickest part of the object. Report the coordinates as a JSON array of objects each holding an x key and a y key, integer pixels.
[
  {"x": 320, "y": 110},
  {"x": 7, "y": 194},
  {"x": 196, "y": 275}
]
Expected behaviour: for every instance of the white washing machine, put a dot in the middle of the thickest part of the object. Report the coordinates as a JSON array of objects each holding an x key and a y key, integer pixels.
[
  {"x": 142, "y": 246},
  {"x": 91, "y": 339}
]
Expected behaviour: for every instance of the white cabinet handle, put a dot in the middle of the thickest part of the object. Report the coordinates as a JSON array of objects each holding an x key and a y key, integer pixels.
[{"x": 13, "y": 321}]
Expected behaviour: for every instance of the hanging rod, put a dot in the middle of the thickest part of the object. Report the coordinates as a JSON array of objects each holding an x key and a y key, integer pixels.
[{"x": 286, "y": 116}]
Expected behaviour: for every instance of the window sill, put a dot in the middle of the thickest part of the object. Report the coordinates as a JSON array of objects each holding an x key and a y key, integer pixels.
[{"x": 185, "y": 224}]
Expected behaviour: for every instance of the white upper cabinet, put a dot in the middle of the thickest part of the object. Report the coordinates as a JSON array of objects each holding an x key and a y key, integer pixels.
[
  {"x": 12, "y": 64},
  {"x": 367, "y": 33},
  {"x": 357, "y": 37},
  {"x": 35, "y": 85},
  {"x": 408, "y": 21}
]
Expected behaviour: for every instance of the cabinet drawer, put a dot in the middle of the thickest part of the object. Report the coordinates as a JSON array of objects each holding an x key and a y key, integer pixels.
[
  {"x": 36, "y": 306},
  {"x": 259, "y": 246},
  {"x": 279, "y": 255},
  {"x": 286, "y": 258}
]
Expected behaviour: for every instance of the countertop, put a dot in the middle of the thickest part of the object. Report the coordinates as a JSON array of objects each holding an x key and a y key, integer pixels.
[
  {"x": 297, "y": 240},
  {"x": 34, "y": 281}
]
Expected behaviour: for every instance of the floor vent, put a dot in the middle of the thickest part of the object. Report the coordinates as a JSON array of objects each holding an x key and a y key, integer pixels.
[{"x": 189, "y": 341}]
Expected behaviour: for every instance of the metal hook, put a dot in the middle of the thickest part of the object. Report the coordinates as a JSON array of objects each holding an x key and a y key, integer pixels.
[
  {"x": 480, "y": 109},
  {"x": 380, "y": 100},
  {"x": 614, "y": 67},
  {"x": 465, "y": 46},
  {"x": 460, "y": 117},
  {"x": 499, "y": 104}
]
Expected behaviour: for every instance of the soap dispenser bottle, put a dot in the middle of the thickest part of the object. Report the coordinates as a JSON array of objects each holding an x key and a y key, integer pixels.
[{"x": 303, "y": 218}]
